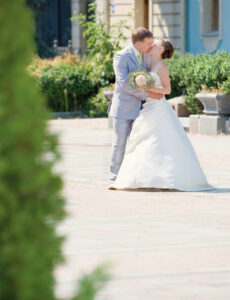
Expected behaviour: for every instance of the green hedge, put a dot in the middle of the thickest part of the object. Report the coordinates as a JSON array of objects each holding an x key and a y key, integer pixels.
[
  {"x": 80, "y": 85},
  {"x": 68, "y": 87},
  {"x": 99, "y": 103},
  {"x": 190, "y": 74}
]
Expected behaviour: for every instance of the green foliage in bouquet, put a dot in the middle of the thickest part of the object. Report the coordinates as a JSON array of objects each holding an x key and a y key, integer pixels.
[
  {"x": 149, "y": 79},
  {"x": 31, "y": 203}
]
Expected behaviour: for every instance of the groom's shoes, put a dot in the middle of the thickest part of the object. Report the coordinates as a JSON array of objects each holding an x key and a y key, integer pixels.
[{"x": 111, "y": 187}]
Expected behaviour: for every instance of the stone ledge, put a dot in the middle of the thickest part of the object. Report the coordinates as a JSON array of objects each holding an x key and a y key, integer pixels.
[{"x": 208, "y": 124}]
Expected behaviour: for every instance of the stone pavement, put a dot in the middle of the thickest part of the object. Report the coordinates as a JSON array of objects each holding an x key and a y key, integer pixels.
[{"x": 162, "y": 245}]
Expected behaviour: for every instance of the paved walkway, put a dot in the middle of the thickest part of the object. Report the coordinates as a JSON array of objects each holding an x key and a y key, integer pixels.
[{"x": 163, "y": 245}]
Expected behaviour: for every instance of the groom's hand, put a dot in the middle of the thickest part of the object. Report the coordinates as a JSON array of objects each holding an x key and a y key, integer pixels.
[{"x": 155, "y": 95}]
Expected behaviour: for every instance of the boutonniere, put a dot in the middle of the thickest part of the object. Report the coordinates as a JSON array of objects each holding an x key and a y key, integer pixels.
[{"x": 148, "y": 67}]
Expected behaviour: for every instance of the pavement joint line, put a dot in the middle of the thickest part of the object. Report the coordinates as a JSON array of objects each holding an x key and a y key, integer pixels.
[
  {"x": 198, "y": 272},
  {"x": 178, "y": 273},
  {"x": 224, "y": 212},
  {"x": 147, "y": 249}
]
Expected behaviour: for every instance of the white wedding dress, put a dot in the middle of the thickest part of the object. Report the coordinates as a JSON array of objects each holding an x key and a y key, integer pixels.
[{"x": 159, "y": 153}]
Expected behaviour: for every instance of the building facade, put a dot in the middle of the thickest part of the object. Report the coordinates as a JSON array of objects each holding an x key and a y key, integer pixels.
[
  {"x": 164, "y": 18},
  {"x": 55, "y": 28},
  {"x": 195, "y": 26},
  {"x": 207, "y": 26}
]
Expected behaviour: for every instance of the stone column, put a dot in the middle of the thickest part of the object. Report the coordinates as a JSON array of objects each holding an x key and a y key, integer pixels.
[
  {"x": 103, "y": 7},
  {"x": 76, "y": 37}
]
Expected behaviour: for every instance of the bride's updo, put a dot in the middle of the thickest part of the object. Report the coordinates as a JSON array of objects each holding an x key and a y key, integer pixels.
[{"x": 168, "y": 49}]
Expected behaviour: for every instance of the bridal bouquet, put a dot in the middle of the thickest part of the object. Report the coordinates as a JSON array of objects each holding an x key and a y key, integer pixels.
[{"x": 141, "y": 79}]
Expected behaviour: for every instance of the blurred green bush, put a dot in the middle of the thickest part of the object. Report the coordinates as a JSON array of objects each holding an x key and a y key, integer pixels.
[{"x": 31, "y": 203}]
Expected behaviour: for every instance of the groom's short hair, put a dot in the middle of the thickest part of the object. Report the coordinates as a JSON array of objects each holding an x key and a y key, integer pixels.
[{"x": 140, "y": 33}]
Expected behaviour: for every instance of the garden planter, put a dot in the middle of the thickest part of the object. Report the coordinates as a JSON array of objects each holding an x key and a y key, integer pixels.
[
  {"x": 215, "y": 104},
  {"x": 216, "y": 111}
]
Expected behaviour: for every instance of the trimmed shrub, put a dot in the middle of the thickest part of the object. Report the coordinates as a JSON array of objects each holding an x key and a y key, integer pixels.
[
  {"x": 190, "y": 74},
  {"x": 67, "y": 81},
  {"x": 68, "y": 87}
]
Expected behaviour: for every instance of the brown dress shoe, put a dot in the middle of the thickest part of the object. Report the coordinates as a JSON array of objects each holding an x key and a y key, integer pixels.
[{"x": 111, "y": 187}]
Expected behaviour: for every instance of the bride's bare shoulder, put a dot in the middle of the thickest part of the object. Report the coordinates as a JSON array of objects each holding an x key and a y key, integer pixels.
[
  {"x": 163, "y": 65},
  {"x": 163, "y": 68}
]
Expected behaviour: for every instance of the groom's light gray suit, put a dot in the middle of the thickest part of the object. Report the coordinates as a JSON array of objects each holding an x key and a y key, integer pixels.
[{"x": 126, "y": 103}]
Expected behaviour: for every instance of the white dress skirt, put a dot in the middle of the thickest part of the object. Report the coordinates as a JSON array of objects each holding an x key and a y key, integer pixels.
[{"x": 159, "y": 153}]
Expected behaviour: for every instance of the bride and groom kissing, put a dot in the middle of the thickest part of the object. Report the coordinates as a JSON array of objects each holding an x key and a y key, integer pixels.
[{"x": 150, "y": 148}]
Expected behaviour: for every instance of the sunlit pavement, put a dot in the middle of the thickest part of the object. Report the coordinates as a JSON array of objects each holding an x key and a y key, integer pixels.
[{"x": 162, "y": 245}]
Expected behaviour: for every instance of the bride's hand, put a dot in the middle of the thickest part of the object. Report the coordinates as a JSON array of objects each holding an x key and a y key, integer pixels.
[{"x": 155, "y": 96}]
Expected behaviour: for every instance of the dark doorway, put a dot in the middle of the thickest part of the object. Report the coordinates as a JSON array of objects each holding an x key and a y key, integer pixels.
[{"x": 53, "y": 23}]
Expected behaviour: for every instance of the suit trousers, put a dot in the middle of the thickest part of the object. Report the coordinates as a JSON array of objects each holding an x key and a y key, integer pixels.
[{"x": 121, "y": 131}]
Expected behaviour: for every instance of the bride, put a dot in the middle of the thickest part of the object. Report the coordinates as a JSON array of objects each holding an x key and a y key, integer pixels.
[{"x": 159, "y": 153}]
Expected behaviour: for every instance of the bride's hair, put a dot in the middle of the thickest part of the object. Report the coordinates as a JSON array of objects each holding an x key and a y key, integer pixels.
[
  {"x": 140, "y": 33},
  {"x": 168, "y": 49}
]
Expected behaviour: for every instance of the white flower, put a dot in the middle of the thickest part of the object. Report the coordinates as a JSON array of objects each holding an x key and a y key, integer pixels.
[
  {"x": 141, "y": 80},
  {"x": 154, "y": 75}
]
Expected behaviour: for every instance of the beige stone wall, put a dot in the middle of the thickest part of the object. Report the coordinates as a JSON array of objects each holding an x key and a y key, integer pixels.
[
  {"x": 142, "y": 18},
  {"x": 168, "y": 21},
  {"x": 165, "y": 18},
  {"x": 120, "y": 11}
]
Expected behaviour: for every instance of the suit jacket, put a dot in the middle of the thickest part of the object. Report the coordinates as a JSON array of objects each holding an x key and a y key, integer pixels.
[{"x": 126, "y": 101}]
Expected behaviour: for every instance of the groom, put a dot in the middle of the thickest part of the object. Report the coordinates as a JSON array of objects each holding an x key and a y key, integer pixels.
[{"x": 127, "y": 101}]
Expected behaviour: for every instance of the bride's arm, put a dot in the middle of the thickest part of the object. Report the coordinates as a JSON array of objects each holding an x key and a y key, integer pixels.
[{"x": 165, "y": 80}]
